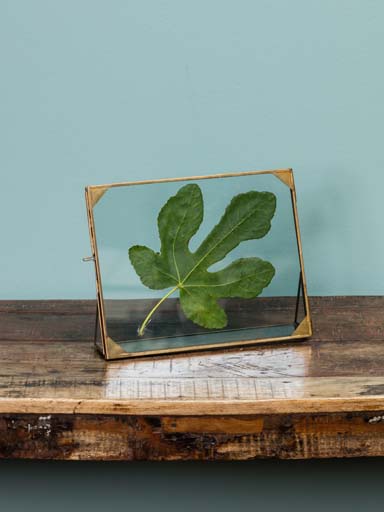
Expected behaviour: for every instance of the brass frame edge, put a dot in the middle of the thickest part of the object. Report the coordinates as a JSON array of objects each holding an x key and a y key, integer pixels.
[
  {"x": 186, "y": 178},
  {"x": 99, "y": 290},
  {"x": 300, "y": 250},
  {"x": 215, "y": 346}
]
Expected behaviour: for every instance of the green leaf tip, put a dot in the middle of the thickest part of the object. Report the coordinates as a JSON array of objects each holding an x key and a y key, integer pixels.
[{"x": 247, "y": 217}]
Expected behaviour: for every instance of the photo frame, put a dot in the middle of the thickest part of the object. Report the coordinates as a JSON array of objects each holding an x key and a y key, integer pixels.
[{"x": 239, "y": 234}]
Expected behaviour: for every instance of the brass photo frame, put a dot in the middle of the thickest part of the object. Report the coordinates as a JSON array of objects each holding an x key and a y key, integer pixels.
[{"x": 282, "y": 316}]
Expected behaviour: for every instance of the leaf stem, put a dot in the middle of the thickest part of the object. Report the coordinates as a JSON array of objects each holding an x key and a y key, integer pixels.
[{"x": 155, "y": 307}]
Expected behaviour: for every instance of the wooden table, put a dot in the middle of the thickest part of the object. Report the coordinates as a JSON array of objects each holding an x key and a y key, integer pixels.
[{"x": 318, "y": 398}]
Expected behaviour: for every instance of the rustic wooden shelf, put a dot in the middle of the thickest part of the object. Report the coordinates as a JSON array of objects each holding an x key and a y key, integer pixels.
[{"x": 317, "y": 398}]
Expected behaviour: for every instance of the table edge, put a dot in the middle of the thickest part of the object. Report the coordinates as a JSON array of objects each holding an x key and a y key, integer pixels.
[{"x": 190, "y": 408}]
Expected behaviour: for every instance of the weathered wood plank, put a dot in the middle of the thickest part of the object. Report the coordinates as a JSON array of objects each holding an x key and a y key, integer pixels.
[
  {"x": 319, "y": 398},
  {"x": 218, "y": 438}
]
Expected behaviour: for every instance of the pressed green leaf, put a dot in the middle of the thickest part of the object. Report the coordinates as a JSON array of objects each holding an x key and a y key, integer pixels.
[{"x": 248, "y": 216}]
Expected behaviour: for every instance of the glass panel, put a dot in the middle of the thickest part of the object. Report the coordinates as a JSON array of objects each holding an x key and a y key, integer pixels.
[
  {"x": 127, "y": 215},
  {"x": 97, "y": 335}
]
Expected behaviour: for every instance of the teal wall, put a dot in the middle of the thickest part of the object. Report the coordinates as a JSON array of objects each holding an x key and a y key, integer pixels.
[{"x": 99, "y": 91}]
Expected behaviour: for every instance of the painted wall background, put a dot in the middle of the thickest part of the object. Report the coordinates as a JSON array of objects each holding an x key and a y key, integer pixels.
[
  {"x": 98, "y": 91},
  {"x": 94, "y": 91}
]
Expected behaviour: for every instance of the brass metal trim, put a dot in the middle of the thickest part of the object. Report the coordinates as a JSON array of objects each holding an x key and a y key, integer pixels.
[
  {"x": 99, "y": 291},
  {"x": 200, "y": 348},
  {"x": 304, "y": 328},
  {"x": 300, "y": 250},
  {"x": 107, "y": 186},
  {"x": 96, "y": 193},
  {"x": 285, "y": 176},
  {"x": 114, "y": 350}
]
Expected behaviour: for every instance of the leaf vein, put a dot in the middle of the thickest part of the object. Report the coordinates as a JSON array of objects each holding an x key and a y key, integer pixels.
[
  {"x": 222, "y": 284},
  {"x": 174, "y": 240}
]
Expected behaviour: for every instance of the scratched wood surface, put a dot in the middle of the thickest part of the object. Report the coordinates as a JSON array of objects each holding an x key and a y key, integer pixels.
[{"x": 318, "y": 398}]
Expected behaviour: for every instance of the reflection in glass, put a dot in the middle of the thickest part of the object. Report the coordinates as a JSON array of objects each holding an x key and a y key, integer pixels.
[{"x": 126, "y": 216}]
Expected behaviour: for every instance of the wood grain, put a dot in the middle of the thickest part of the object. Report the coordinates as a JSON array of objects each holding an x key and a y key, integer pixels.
[
  {"x": 98, "y": 437},
  {"x": 318, "y": 398}
]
